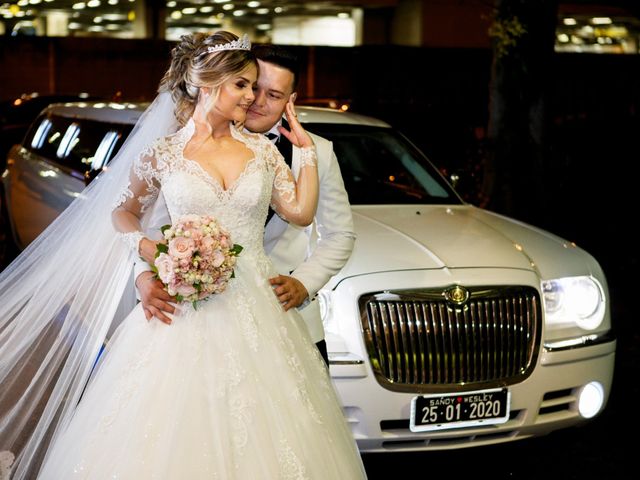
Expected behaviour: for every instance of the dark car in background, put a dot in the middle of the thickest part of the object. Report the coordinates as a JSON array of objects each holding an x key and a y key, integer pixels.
[
  {"x": 17, "y": 114},
  {"x": 64, "y": 148}
]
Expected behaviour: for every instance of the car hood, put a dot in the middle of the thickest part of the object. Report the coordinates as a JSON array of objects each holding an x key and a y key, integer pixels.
[{"x": 402, "y": 237}]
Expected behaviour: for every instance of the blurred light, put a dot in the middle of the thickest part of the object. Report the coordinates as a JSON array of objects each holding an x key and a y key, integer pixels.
[
  {"x": 206, "y": 9},
  {"x": 67, "y": 142},
  {"x": 43, "y": 130},
  {"x": 189, "y": 10},
  {"x": 47, "y": 173},
  {"x": 238, "y": 13},
  {"x": 262, "y": 11},
  {"x": 23, "y": 3},
  {"x": 176, "y": 14},
  {"x": 587, "y": 30},
  {"x": 112, "y": 2},
  {"x": 112, "y": 17},
  {"x": 73, "y": 26},
  {"x": 278, "y": 9},
  {"x": 97, "y": 20},
  {"x": 171, "y": 4},
  {"x": 263, "y": 26},
  {"x": 253, "y": 4},
  {"x": 601, "y": 20},
  {"x": 228, "y": 6},
  {"x": 93, "y": 3},
  {"x": 344, "y": 15},
  {"x": 78, "y": 6},
  {"x": 563, "y": 37},
  {"x": 569, "y": 21}
]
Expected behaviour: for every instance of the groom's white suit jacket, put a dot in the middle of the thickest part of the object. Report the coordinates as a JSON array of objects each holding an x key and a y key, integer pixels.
[
  {"x": 311, "y": 254},
  {"x": 315, "y": 253}
]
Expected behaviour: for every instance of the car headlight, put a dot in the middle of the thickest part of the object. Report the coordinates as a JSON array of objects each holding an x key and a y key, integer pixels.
[{"x": 574, "y": 300}]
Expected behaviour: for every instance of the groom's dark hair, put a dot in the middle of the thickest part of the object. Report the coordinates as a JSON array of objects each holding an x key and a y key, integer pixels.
[{"x": 278, "y": 56}]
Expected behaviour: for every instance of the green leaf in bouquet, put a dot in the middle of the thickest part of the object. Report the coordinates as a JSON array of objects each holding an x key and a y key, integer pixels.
[
  {"x": 233, "y": 274},
  {"x": 164, "y": 227},
  {"x": 198, "y": 287},
  {"x": 236, "y": 249},
  {"x": 161, "y": 248},
  {"x": 195, "y": 304},
  {"x": 179, "y": 297}
]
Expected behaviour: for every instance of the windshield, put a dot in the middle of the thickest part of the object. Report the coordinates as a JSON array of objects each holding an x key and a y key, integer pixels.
[{"x": 379, "y": 166}]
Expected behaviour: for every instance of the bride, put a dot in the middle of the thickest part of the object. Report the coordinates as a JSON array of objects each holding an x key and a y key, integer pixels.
[{"x": 232, "y": 389}]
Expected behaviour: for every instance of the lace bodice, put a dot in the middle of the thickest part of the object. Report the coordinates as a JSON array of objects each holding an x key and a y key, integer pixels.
[{"x": 189, "y": 189}]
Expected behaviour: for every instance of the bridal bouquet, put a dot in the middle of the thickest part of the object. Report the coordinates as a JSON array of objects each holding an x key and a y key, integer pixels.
[{"x": 197, "y": 260}]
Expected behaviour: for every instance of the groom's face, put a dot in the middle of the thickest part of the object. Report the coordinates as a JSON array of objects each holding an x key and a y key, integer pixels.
[{"x": 272, "y": 91}]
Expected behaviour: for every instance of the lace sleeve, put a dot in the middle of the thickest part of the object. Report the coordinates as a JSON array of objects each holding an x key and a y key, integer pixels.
[
  {"x": 295, "y": 201},
  {"x": 140, "y": 193}
]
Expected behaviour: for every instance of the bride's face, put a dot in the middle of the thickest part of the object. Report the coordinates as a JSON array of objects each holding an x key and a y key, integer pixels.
[{"x": 235, "y": 96}]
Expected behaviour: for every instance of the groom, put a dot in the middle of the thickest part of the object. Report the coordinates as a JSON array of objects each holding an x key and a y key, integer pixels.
[{"x": 305, "y": 261}]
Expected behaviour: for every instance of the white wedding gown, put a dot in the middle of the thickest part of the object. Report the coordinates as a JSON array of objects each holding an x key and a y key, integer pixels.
[{"x": 234, "y": 389}]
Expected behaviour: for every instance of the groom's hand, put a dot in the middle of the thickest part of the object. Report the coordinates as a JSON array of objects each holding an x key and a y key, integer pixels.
[
  {"x": 290, "y": 291},
  {"x": 154, "y": 298}
]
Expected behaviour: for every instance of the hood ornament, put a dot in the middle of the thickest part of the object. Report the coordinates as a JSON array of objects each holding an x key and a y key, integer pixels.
[{"x": 457, "y": 295}]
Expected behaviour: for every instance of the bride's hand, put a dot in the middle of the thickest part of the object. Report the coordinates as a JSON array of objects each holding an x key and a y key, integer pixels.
[
  {"x": 147, "y": 250},
  {"x": 298, "y": 135}
]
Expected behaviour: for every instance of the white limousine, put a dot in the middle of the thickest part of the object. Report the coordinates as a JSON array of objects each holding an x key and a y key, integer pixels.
[{"x": 450, "y": 326}]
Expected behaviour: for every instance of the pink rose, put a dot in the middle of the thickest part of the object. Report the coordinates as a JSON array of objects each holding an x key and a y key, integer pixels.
[
  {"x": 218, "y": 258},
  {"x": 195, "y": 234},
  {"x": 190, "y": 221},
  {"x": 181, "y": 247},
  {"x": 165, "y": 267},
  {"x": 185, "y": 289},
  {"x": 206, "y": 245}
]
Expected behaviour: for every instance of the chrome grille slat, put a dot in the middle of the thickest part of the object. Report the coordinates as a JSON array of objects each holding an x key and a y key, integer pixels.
[{"x": 418, "y": 339}]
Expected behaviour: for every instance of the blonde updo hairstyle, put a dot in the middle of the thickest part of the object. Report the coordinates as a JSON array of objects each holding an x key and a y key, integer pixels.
[{"x": 193, "y": 67}]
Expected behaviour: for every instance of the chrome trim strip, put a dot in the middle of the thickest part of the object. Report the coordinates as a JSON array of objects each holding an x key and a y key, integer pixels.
[{"x": 579, "y": 342}]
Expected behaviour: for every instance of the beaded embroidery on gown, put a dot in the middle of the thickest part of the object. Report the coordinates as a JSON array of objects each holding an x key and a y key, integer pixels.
[{"x": 234, "y": 389}]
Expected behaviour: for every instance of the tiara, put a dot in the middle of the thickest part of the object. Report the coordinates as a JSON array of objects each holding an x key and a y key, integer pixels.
[{"x": 241, "y": 43}]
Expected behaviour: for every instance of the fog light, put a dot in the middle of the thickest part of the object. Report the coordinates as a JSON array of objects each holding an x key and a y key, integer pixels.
[{"x": 590, "y": 399}]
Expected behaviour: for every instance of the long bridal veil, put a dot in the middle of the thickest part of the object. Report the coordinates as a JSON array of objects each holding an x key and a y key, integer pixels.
[{"x": 60, "y": 298}]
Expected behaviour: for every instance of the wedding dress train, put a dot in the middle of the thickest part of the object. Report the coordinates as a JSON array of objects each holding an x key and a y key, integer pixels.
[{"x": 232, "y": 389}]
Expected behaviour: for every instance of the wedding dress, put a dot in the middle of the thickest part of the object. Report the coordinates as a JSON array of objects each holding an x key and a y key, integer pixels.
[{"x": 234, "y": 388}]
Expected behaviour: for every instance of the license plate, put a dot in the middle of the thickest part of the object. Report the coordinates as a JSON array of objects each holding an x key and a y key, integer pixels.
[{"x": 437, "y": 412}]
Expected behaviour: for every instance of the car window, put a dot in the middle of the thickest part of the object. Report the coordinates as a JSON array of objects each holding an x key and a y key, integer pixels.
[
  {"x": 79, "y": 145},
  {"x": 379, "y": 166}
]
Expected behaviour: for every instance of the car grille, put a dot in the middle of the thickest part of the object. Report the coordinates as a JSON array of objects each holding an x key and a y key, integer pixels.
[{"x": 421, "y": 340}]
